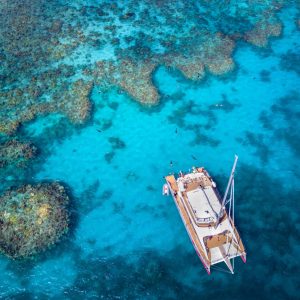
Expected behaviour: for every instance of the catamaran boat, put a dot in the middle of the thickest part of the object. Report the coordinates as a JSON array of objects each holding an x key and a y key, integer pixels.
[{"x": 209, "y": 224}]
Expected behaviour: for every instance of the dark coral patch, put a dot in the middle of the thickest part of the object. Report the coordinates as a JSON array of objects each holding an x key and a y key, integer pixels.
[
  {"x": 224, "y": 105},
  {"x": 118, "y": 207},
  {"x": 290, "y": 61},
  {"x": 109, "y": 156},
  {"x": 150, "y": 188},
  {"x": 132, "y": 176},
  {"x": 265, "y": 120},
  {"x": 265, "y": 76},
  {"x": 288, "y": 108},
  {"x": 151, "y": 275},
  {"x": 104, "y": 124},
  {"x": 106, "y": 195},
  {"x": 257, "y": 141},
  {"x": 113, "y": 105},
  {"x": 203, "y": 139},
  {"x": 116, "y": 143}
]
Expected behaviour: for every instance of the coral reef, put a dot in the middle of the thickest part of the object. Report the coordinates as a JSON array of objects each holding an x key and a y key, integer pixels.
[
  {"x": 52, "y": 54},
  {"x": 262, "y": 31},
  {"x": 191, "y": 69},
  {"x": 75, "y": 102},
  {"x": 218, "y": 57},
  {"x": 32, "y": 218},
  {"x": 15, "y": 153},
  {"x": 214, "y": 55},
  {"x": 135, "y": 78},
  {"x": 21, "y": 105}
]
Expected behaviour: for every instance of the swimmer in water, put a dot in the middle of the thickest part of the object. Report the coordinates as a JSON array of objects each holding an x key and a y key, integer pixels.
[{"x": 171, "y": 164}]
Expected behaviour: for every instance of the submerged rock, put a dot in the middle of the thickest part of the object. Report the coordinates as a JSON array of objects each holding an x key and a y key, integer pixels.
[{"x": 32, "y": 218}]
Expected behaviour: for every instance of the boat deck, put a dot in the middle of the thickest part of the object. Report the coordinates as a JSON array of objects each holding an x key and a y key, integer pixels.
[{"x": 187, "y": 221}]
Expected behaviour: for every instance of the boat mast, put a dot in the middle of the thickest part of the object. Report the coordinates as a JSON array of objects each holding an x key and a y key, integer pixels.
[
  {"x": 229, "y": 185},
  {"x": 233, "y": 201}
]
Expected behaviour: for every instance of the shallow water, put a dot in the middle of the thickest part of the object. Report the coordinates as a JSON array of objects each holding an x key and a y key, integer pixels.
[{"x": 126, "y": 240}]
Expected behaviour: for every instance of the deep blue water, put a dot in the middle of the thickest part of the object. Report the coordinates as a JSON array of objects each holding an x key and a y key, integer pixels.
[{"x": 126, "y": 240}]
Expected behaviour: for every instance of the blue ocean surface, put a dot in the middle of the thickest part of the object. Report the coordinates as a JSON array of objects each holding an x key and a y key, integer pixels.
[{"x": 126, "y": 240}]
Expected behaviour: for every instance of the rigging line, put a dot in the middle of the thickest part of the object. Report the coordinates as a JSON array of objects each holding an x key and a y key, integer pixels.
[
  {"x": 234, "y": 236},
  {"x": 227, "y": 188},
  {"x": 230, "y": 201},
  {"x": 230, "y": 196},
  {"x": 220, "y": 269},
  {"x": 229, "y": 211},
  {"x": 239, "y": 238},
  {"x": 233, "y": 200}
]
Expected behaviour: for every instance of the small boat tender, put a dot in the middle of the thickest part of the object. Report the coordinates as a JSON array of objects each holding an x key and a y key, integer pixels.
[{"x": 165, "y": 190}]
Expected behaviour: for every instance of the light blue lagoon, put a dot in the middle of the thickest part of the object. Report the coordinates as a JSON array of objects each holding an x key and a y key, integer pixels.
[{"x": 125, "y": 239}]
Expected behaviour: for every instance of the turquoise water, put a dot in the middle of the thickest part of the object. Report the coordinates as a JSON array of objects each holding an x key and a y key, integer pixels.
[{"x": 126, "y": 240}]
